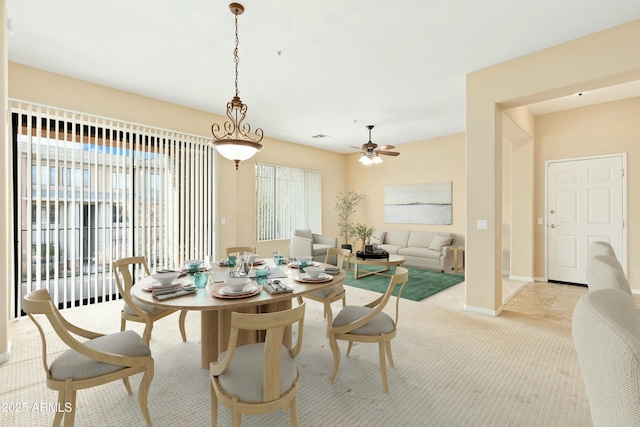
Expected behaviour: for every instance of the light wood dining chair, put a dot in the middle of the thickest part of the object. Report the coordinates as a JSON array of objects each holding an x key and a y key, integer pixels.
[
  {"x": 337, "y": 293},
  {"x": 99, "y": 360},
  {"x": 135, "y": 311},
  {"x": 240, "y": 250},
  {"x": 369, "y": 324},
  {"x": 261, "y": 377}
]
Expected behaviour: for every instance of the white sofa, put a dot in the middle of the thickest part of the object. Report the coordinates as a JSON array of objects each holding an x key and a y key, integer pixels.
[
  {"x": 425, "y": 249},
  {"x": 306, "y": 243}
]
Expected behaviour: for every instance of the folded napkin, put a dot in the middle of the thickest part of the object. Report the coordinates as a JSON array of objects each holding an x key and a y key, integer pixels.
[
  {"x": 276, "y": 287},
  {"x": 332, "y": 270},
  {"x": 164, "y": 294}
]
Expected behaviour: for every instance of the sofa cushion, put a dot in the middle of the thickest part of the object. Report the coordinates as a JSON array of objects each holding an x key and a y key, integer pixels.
[
  {"x": 396, "y": 237},
  {"x": 440, "y": 241},
  {"x": 392, "y": 249},
  {"x": 306, "y": 233},
  {"x": 420, "y": 252},
  {"x": 420, "y": 239},
  {"x": 378, "y": 237}
]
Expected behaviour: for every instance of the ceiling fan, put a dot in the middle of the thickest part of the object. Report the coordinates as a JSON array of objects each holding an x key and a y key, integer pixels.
[{"x": 371, "y": 151}]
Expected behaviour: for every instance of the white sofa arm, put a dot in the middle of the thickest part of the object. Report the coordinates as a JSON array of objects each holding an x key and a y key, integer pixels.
[
  {"x": 301, "y": 246},
  {"x": 325, "y": 240}
]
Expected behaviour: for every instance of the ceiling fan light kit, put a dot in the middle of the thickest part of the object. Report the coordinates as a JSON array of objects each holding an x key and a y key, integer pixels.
[
  {"x": 371, "y": 152},
  {"x": 233, "y": 141}
]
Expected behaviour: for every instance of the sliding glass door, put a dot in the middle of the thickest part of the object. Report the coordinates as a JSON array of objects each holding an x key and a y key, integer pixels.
[{"x": 90, "y": 190}]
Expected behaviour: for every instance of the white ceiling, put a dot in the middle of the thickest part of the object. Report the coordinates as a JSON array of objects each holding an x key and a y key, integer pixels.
[{"x": 307, "y": 68}]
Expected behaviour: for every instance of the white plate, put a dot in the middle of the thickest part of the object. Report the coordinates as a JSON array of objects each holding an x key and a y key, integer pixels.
[
  {"x": 246, "y": 290},
  {"x": 320, "y": 278},
  {"x": 157, "y": 285}
]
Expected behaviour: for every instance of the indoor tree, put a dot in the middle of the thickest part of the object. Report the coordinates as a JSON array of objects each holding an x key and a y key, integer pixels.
[{"x": 346, "y": 205}]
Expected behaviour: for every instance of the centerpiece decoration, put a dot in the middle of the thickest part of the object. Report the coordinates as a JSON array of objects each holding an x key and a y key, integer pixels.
[{"x": 363, "y": 232}]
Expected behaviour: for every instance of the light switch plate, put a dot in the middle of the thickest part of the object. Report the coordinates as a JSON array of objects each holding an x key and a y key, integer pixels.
[
  {"x": 540, "y": 221},
  {"x": 482, "y": 224}
]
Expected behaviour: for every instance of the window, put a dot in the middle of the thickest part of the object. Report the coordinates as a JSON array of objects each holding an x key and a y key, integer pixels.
[
  {"x": 123, "y": 190},
  {"x": 286, "y": 199}
]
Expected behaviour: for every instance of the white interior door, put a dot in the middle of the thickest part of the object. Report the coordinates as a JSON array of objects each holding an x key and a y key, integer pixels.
[{"x": 585, "y": 203}]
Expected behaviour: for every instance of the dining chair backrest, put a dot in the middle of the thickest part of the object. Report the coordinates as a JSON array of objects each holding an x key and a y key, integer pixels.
[
  {"x": 123, "y": 270},
  {"x": 239, "y": 250},
  {"x": 39, "y": 303},
  {"x": 339, "y": 255},
  {"x": 264, "y": 377}
]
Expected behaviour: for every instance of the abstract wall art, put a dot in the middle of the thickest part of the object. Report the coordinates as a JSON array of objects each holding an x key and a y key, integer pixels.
[{"x": 418, "y": 203}]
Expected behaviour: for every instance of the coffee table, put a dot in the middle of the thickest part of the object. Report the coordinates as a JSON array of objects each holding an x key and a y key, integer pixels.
[{"x": 385, "y": 262}]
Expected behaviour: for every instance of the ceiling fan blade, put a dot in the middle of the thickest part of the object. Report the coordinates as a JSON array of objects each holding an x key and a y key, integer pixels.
[
  {"x": 353, "y": 146},
  {"x": 388, "y": 153},
  {"x": 386, "y": 147}
]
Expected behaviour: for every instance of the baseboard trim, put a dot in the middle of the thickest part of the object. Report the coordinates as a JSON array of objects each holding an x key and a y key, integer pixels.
[
  {"x": 4, "y": 357},
  {"x": 521, "y": 278},
  {"x": 487, "y": 312},
  {"x": 540, "y": 279}
]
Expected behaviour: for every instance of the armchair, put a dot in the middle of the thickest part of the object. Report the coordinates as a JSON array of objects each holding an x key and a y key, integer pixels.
[{"x": 306, "y": 243}]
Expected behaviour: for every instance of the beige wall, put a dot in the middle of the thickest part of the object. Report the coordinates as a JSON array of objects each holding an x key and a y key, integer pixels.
[
  {"x": 609, "y": 128},
  {"x": 598, "y": 60},
  {"x": 432, "y": 160}
]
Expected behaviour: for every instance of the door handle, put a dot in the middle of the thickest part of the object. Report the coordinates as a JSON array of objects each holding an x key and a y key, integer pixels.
[{"x": 552, "y": 226}]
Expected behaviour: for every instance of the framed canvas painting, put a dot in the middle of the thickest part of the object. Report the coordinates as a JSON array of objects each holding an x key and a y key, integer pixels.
[{"x": 418, "y": 203}]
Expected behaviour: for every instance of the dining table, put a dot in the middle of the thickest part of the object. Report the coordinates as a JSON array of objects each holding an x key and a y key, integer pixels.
[{"x": 216, "y": 308}]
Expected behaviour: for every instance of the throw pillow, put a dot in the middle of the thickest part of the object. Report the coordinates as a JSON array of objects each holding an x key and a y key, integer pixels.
[
  {"x": 378, "y": 237},
  {"x": 304, "y": 233},
  {"x": 439, "y": 241}
]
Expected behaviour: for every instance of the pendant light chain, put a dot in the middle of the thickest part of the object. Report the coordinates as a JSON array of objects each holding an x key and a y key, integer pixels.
[{"x": 236, "y": 59}]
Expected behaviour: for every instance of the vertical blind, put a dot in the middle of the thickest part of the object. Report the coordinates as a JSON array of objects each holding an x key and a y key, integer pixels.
[
  {"x": 91, "y": 190},
  {"x": 287, "y": 198}
]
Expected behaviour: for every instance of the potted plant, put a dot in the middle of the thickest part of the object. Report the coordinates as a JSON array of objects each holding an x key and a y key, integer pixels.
[
  {"x": 363, "y": 232},
  {"x": 345, "y": 205}
]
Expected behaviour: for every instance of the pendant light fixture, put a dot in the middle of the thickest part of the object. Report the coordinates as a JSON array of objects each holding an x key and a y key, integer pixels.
[{"x": 233, "y": 141}]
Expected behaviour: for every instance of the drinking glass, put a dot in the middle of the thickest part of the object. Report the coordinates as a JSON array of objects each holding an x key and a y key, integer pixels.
[
  {"x": 193, "y": 266},
  {"x": 278, "y": 258},
  {"x": 302, "y": 263},
  {"x": 201, "y": 278},
  {"x": 231, "y": 261},
  {"x": 262, "y": 275}
]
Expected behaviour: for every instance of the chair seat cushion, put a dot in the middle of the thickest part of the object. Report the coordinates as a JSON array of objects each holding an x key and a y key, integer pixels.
[
  {"x": 148, "y": 308},
  {"x": 72, "y": 364},
  {"x": 381, "y": 324},
  {"x": 244, "y": 377},
  {"x": 323, "y": 293}
]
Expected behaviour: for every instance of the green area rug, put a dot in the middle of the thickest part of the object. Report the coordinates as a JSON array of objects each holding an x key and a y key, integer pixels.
[{"x": 421, "y": 284}]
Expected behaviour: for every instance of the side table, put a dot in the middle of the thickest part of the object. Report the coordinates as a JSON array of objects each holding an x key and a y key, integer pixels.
[{"x": 458, "y": 251}]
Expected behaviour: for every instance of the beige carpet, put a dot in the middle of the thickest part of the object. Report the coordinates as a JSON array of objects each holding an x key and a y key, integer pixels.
[{"x": 453, "y": 368}]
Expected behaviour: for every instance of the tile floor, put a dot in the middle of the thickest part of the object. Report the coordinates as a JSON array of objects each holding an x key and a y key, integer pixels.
[{"x": 553, "y": 301}]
